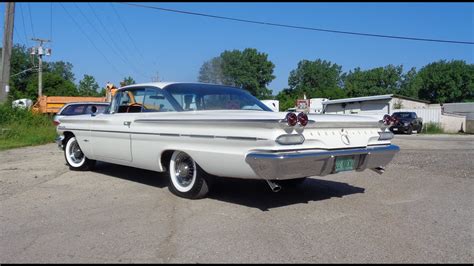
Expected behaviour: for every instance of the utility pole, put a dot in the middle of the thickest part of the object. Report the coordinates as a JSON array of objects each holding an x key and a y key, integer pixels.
[
  {"x": 6, "y": 51},
  {"x": 40, "y": 51}
]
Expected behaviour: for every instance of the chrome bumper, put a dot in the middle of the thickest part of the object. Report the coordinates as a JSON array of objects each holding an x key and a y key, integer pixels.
[
  {"x": 59, "y": 141},
  {"x": 296, "y": 164}
]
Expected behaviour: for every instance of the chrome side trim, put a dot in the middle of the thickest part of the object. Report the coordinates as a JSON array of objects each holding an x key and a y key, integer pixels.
[
  {"x": 144, "y": 120},
  {"x": 289, "y": 165},
  {"x": 172, "y": 134},
  {"x": 337, "y": 125}
]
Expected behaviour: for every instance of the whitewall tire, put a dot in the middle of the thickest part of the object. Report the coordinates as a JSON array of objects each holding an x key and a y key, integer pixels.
[
  {"x": 187, "y": 179},
  {"x": 74, "y": 156}
]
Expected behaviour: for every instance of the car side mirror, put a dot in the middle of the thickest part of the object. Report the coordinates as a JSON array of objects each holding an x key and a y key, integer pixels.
[{"x": 93, "y": 110}]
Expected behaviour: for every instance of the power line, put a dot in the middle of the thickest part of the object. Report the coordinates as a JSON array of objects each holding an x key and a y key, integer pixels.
[
  {"x": 24, "y": 28},
  {"x": 125, "y": 58},
  {"x": 17, "y": 36},
  {"x": 128, "y": 34},
  {"x": 298, "y": 27},
  {"x": 51, "y": 21},
  {"x": 31, "y": 21},
  {"x": 90, "y": 40},
  {"x": 101, "y": 37},
  {"x": 23, "y": 21}
]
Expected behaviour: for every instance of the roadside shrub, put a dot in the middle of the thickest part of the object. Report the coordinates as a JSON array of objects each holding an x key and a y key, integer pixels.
[
  {"x": 20, "y": 127},
  {"x": 432, "y": 128}
]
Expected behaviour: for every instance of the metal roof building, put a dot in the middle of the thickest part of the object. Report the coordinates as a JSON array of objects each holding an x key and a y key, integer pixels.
[{"x": 373, "y": 105}]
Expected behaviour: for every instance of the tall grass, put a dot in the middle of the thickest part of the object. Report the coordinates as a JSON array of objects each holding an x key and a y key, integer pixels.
[
  {"x": 19, "y": 128},
  {"x": 432, "y": 128}
]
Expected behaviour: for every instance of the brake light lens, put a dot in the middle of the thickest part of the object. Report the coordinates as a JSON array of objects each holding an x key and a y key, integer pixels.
[
  {"x": 303, "y": 119},
  {"x": 291, "y": 119},
  {"x": 56, "y": 123},
  {"x": 387, "y": 119}
]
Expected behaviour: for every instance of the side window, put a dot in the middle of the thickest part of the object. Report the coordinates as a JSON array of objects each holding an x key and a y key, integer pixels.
[
  {"x": 156, "y": 101},
  {"x": 128, "y": 101},
  {"x": 100, "y": 108}
]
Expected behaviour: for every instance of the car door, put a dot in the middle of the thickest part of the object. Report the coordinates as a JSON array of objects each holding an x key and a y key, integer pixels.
[{"x": 110, "y": 131}]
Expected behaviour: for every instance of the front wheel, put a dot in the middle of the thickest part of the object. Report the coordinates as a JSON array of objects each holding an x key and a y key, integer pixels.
[
  {"x": 187, "y": 179},
  {"x": 75, "y": 158}
]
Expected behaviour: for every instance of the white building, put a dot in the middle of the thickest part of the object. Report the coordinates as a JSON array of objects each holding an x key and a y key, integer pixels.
[
  {"x": 455, "y": 117},
  {"x": 378, "y": 105}
]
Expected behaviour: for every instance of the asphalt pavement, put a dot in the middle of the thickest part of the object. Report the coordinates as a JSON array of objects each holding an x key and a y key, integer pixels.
[{"x": 419, "y": 211}]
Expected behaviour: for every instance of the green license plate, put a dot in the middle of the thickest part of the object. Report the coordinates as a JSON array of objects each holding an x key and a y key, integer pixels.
[{"x": 344, "y": 164}]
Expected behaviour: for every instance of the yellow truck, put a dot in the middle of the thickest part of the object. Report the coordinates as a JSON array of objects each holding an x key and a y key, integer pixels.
[{"x": 52, "y": 104}]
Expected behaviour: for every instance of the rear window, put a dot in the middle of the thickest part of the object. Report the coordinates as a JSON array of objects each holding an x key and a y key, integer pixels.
[
  {"x": 75, "y": 109},
  {"x": 79, "y": 109},
  {"x": 403, "y": 115}
]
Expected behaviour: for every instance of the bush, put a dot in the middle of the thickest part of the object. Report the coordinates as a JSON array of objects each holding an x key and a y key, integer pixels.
[
  {"x": 20, "y": 127},
  {"x": 432, "y": 128}
]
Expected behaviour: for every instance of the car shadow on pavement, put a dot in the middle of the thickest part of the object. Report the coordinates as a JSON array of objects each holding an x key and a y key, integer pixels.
[
  {"x": 250, "y": 193},
  {"x": 138, "y": 175},
  {"x": 257, "y": 194}
]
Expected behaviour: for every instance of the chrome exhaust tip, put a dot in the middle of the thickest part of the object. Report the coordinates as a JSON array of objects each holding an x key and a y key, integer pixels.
[
  {"x": 379, "y": 170},
  {"x": 273, "y": 186}
]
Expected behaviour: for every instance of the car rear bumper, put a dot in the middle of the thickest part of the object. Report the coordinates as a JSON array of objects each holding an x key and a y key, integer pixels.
[
  {"x": 296, "y": 164},
  {"x": 59, "y": 141},
  {"x": 399, "y": 128}
]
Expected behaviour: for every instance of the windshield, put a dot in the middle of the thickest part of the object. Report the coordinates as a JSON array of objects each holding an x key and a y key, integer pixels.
[
  {"x": 402, "y": 115},
  {"x": 192, "y": 97}
]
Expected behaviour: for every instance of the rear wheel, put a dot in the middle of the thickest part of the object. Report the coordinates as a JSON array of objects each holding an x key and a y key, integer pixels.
[
  {"x": 410, "y": 130},
  {"x": 187, "y": 179},
  {"x": 75, "y": 158}
]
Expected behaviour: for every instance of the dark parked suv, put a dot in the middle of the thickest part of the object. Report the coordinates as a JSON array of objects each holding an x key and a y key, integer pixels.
[{"x": 406, "y": 122}]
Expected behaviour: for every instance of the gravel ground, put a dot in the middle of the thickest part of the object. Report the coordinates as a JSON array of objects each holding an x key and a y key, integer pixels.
[{"x": 419, "y": 211}]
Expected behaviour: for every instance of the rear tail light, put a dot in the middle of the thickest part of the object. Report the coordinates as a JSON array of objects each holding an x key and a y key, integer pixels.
[
  {"x": 291, "y": 119},
  {"x": 394, "y": 120},
  {"x": 56, "y": 123},
  {"x": 303, "y": 119},
  {"x": 387, "y": 120}
]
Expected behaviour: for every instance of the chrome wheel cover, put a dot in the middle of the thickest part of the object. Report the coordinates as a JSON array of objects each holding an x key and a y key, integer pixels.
[{"x": 182, "y": 171}]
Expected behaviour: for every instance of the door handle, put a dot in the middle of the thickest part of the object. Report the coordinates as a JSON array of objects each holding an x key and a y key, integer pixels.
[{"x": 127, "y": 123}]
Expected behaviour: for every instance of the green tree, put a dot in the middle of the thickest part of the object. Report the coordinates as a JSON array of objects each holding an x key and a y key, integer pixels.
[
  {"x": 380, "y": 80},
  {"x": 88, "y": 87},
  {"x": 127, "y": 81},
  {"x": 21, "y": 72},
  {"x": 287, "y": 99},
  {"x": 248, "y": 69},
  {"x": 58, "y": 77},
  {"x": 443, "y": 82},
  {"x": 61, "y": 68},
  {"x": 211, "y": 71},
  {"x": 53, "y": 85},
  {"x": 408, "y": 86},
  {"x": 316, "y": 79}
]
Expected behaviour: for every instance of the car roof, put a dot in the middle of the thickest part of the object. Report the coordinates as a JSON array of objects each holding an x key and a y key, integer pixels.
[
  {"x": 162, "y": 85},
  {"x": 103, "y": 103}
]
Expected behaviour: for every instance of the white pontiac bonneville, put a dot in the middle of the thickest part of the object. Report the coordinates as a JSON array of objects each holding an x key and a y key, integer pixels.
[{"x": 196, "y": 131}]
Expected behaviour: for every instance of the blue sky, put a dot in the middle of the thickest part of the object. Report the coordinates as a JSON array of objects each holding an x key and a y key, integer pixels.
[{"x": 176, "y": 45}]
